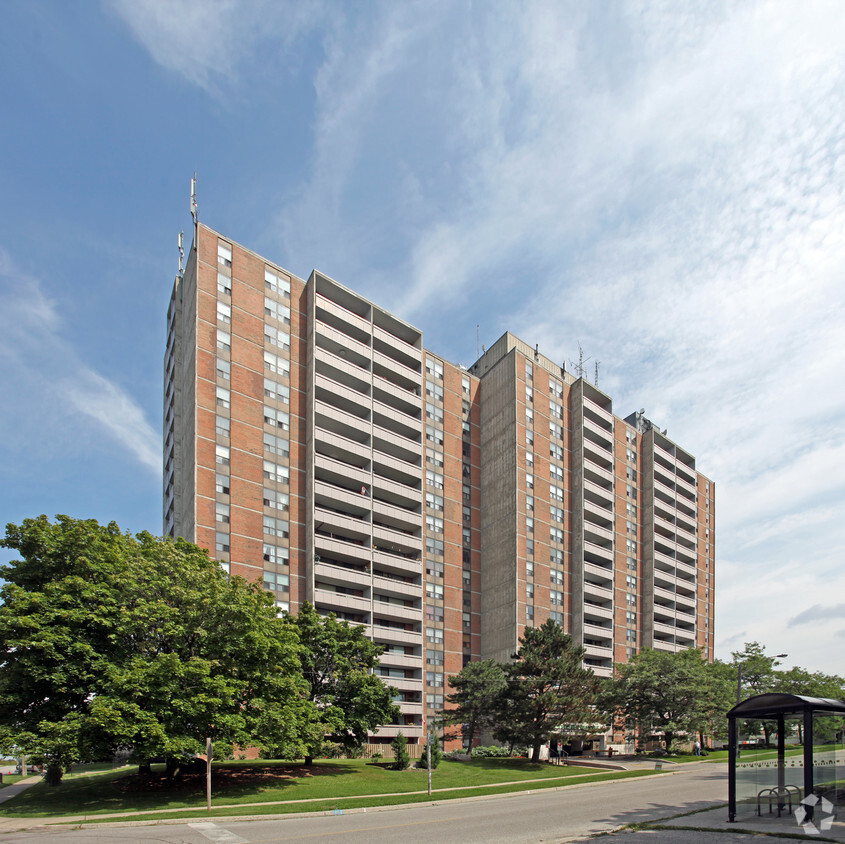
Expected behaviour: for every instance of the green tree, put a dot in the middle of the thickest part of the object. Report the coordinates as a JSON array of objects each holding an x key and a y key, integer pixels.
[
  {"x": 546, "y": 688},
  {"x": 475, "y": 699},
  {"x": 110, "y": 640},
  {"x": 401, "y": 759},
  {"x": 717, "y": 698},
  {"x": 756, "y": 674},
  {"x": 337, "y": 661},
  {"x": 662, "y": 692}
]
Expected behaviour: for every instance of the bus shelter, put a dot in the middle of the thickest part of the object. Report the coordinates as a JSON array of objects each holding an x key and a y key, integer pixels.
[{"x": 807, "y": 769}]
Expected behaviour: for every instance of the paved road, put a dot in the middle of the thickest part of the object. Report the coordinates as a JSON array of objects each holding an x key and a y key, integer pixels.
[{"x": 570, "y": 814}]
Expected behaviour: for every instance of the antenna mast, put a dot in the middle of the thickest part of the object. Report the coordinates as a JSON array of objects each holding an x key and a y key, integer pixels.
[
  {"x": 194, "y": 199},
  {"x": 596, "y": 382},
  {"x": 181, "y": 253},
  {"x": 579, "y": 367}
]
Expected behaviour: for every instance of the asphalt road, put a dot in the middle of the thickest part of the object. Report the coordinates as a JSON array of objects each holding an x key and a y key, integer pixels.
[{"x": 570, "y": 814}]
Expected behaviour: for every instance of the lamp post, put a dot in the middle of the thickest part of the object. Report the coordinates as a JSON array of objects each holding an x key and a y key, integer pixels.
[{"x": 739, "y": 677}]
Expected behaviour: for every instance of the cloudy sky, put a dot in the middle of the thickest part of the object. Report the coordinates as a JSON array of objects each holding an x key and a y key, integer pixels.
[{"x": 661, "y": 182}]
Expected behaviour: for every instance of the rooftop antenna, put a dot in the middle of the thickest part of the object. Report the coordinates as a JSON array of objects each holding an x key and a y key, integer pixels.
[
  {"x": 579, "y": 367},
  {"x": 596, "y": 382},
  {"x": 477, "y": 340},
  {"x": 194, "y": 198},
  {"x": 181, "y": 253}
]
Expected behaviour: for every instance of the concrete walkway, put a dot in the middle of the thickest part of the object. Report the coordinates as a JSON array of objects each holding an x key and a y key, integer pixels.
[{"x": 13, "y": 790}]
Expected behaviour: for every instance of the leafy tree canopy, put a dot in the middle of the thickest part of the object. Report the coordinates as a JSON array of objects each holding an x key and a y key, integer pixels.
[{"x": 474, "y": 703}]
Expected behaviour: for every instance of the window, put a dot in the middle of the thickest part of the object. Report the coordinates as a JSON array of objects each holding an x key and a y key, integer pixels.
[
  {"x": 556, "y": 472},
  {"x": 276, "y": 310},
  {"x": 278, "y": 556},
  {"x": 555, "y": 388},
  {"x": 556, "y": 556},
  {"x": 221, "y": 484},
  {"x": 529, "y": 524},
  {"x": 224, "y": 312},
  {"x": 276, "y": 418},
  {"x": 433, "y": 435},
  {"x": 555, "y": 410},
  {"x": 434, "y": 590},
  {"x": 556, "y": 576},
  {"x": 631, "y": 635},
  {"x": 465, "y": 428},
  {"x": 632, "y": 510},
  {"x": 631, "y": 545},
  {"x": 276, "y": 364},
  {"x": 433, "y": 657},
  {"x": 276, "y": 338},
  {"x": 529, "y": 503},
  {"x": 433, "y": 390},
  {"x": 465, "y": 385},
  {"x": 529, "y": 437},
  {"x": 556, "y": 452},
  {"x": 556, "y": 535},
  {"x": 466, "y": 491},
  {"x": 466, "y": 535},
  {"x": 434, "y": 368},
  {"x": 632, "y": 563},
  {"x": 221, "y": 513},
  {"x": 223, "y": 397},
  {"x": 631, "y": 617},
  {"x": 529, "y": 370},
  {"x": 274, "y": 581},
  {"x": 529, "y": 591},
  {"x": 631, "y": 455},
  {"x": 529, "y": 459},
  {"x": 556, "y": 514},
  {"x": 529, "y": 394},
  {"x": 529, "y": 568},
  {"x": 529, "y": 612},
  {"x": 276, "y": 527},
  {"x": 433, "y": 457},
  {"x": 222, "y": 455},
  {"x": 556, "y": 617},
  {"x": 221, "y": 543},
  {"x": 433, "y": 634},
  {"x": 277, "y": 474},
  {"x": 467, "y": 579},
  {"x": 276, "y": 500},
  {"x": 224, "y": 284},
  {"x": 433, "y": 678},
  {"x": 434, "y": 479},
  {"x": 222, "y": 425},
  {"x": 467, "y": 513},
  {"x": 433, "y": 524},
  {"x": 631, "y": 600},
  {"x": 224, "y": 369},
  {"x": 631, "y": 491},
  {"x": 224, "y": 254},
  {"x": 434, "y": 546},
  {"x": 555, "y": 492},
  {"x": 435, "y": 502},
  {"x": 279, "y": 284},
  {"x": 556, "y": 597},
  {"x": 529, "y": 416},
  {"x": 276, "y": 445},
  {"x": 276, "y": 392},
  {"x": 631, "y": 581},
  {"x": 632, "y": 528},
  {"x": 529, "y": 550},
  {"x": 433, "y": 568},
  {"x": 630, "y": 435},
  {"x": 434, "y": 701},
  {"x": 555, "y": 430},
  {"x": 529, "y": 480},
  {"x": 224, "y": 341}
]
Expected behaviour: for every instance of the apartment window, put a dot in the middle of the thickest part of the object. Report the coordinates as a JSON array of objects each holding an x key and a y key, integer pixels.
[
  {"x": 631, "y": 600},
  {"x": 529, "y": 371},
  {"x": 631, "y": 455},
  {"x": 434, "y": 368},
  {"x": 632, "y": 528},
  {"x": 529, "y": 524},
  {"x": 556, "y": 597},
  {"x": 555, "y": 410},
  {"x": 433, "y": 657},
  {"x": 632, "y": 510},
  {"x": 631, "y": 474},
  {"x": 433, "y": 524},
  {"x": 276, "y": 364},
  {"x": 555, "y": 492},
  {"x": 276, "y": 392},
  {"x": 529, "y": 416},
  {"x": 529, "y": 394},
  {"x": 529, "y": 568},
  {"x": 631, "y": 581},
  {"x": 277, "y": 283},
  {"x": 224, "y": 369},
  {"x": 556, "y": 577},
  {"x": 556, "y": 556},
  {"x": 434, "y": 590},
  {"x": 466, "y": 492},
  {"x": 556, "y": 617},
  {"x": 276, "y": 474},
  {"x": 631, "y": 635},
  {"x": 467, "y": 513},
  {"x": 276, "y": 527},
  {"x": 529, "y": 503},
  {"x": 276, "y": 445},
  {"x": 556, "y": 452},
  {"x": 556, "y": 535},
  {"x": 555, "y": 388},
  {"x": 632, "y": 563},
  {"x": 433, "y": 390},
  {"x": 434, "y": 457},
  {"x": 224, "y": 284},
  {"x": 276, "y": 418},
  {"x": 433, "y": 678},
  {"x": 221, "y": 514},
  {"x": 222, "y": 425},
  {"x": 631, "y": 617},
  {"x": 631, "y": 545},
  {"x": 433, "y": 435},
  {"x": 275, "y": 310},
  {"x": 276, "y": 500},
  {"x": 435, "y": 502},
  {"x": 465, "y": 427},
  {"x": 631, "y": 491},
  {"x": 529, "y": 480},
  {"x": 556, "y": 472},
  {"x": 433, "y": 568},
  {"x": 224, "y": 341},
  {"x": 277, "y": 338},
  {"x": 465, "y": 407},
  {"x": 465, "y": 385},
  {"x": 434, "y": 479},
  {"x": 529, "y": 437},
  {"x": 222, "y": 455},
  {"x": 555, "y": 430},
  {"x": 221, "y": 484},
  {"x": 556, "y": 514},
  {"x": 529, "y": 549},
  {"x": 433, "y": 634},
  {"x": 224, "y": 312},
  {"x": 529, "y": 612},
  {"x": 224, "y": 254},
  {"x": 529, "y": 459},
  {"x": 223, "y": 397},
  {"x": 434, "y": 701},
  {"x": 434, "y": 546},
  {"x": 274, "y": 581},
  {"x": 529, "y": 592},
  {"x": 630, "y": 435},
  {"x": 276, "y": 555},
  {"x": 467, "y": 579},
  {"x": 221, "y": 542},
  {"x": 466, "y": 534}
]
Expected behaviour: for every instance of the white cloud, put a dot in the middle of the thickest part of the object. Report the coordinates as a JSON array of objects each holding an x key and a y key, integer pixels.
[{"x": 49, "y": 392}]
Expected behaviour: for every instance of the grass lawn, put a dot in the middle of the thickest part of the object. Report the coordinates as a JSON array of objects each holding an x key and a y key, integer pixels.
[
  {"x": 9, "y": 779},
  {"x": 761, "y": 754},
  {"x": 327, "y": 782}
]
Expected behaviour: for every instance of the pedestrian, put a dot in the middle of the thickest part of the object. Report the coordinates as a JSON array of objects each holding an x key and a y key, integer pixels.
[{"x": 697, "y": 748}]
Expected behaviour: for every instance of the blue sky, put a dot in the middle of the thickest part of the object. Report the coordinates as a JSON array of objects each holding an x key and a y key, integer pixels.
[{"x": 662, "y": 182}]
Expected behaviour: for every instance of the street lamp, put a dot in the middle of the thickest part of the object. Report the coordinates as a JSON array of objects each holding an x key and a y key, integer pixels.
[{"x": 739, "y": 677}]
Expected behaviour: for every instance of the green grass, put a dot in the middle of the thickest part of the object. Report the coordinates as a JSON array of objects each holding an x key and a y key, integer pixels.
[
  {"x": 330, "y": 781},
  {"x": 761, "y": 754},
  {"x": 10, "y": 779}
]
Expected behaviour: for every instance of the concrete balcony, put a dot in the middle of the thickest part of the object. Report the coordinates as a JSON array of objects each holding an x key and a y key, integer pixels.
[
  {"x": 598, "y": 574},
  {"x": 403, "y": 399},
  {"x": 341, "y": 448},
  {"x": 401, "y": 660},
  {"x": 408, "y": 730},
  {"x": 344, "y": 527},
  {"x": 602, "y": 515},
  {"x": 337, "y": 601},
  {"x": 343, "y": 315},
  {"x": 598, "y": 435},
  {"x": 405, "y": 424},
  {"x": 397, "y": 446},
  {"x": 601, "y": 552},
  {"x": 397, "y": 588},
  {"x": 336, "y": 471},
  {"x": 664, "y": 628},
  {"x": 598, "y": 652},
  {"x": 597, "y": 456},
  {"x": 393, "y": 540},
  {"x": 603, "y": 496},
  {"x": 402, "y": 495},
  {"x": 601, "y": 670},
  {"x": 336, "y": 341},
  {"x": 338, "y": 549},
  {"x": 663, "y": 645},
  {"x": 403, "y": 684},
  {"x": 392, "y": 636},
  {"x": 595, "y": 611},
  {"x": 397, "y": 348},
  {"x": 397, "y": 516},
  {"x": 340, "y": 368},
  {"x": 595, "y": 534},
  {"x": 396, "y": 612},
  {"x": 597, "y": 473},
  {"x": 339, "y": 576},
  {"x": 399, "y": 471},
  {"x": 338, "y": 498},
  {"x": 596, "y": 631},
  {"x": 341, "y": 397},
  {"x": 410, "y": 708},
  {"x": 600, "y": 411},
  {"x": 406, "y": 374},
  {"x": 600, "y": 593},
  {"x": 395, "y": 564},
  {"x": 684, "y": 484}
]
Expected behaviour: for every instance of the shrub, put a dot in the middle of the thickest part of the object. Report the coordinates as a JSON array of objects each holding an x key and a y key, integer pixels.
[
  {"x": 436, "y": 754},
  {"x": 494, "y": 751},
  {"x": 401, "y": 759}
]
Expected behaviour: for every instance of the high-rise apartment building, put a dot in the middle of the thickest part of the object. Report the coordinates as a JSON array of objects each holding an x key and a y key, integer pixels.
[{"x": 312, "y": 443}]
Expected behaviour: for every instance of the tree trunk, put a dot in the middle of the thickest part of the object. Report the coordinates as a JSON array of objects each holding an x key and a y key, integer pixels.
[
  {"x": 144, "y": 769},
  {"x": 535, "y": 751},
  {"x": 172, "y": 768},
  {"x": 309, "y": 760},
  {"x": 669, "y": 738},
  {"x": 767, "y": 732}
]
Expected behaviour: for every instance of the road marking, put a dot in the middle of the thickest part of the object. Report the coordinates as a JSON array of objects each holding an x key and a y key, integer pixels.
[{"x": 217, "y": 833}]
